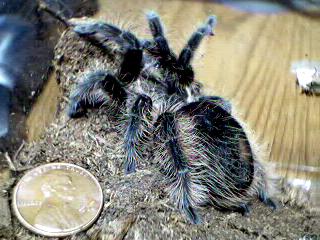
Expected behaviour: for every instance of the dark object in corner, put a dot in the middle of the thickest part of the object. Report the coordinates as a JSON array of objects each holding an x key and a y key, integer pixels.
[
  {"x": 39, "y": 54},
  {"x": 4, "y": 110},
  {"x": 17, "y": 38}
]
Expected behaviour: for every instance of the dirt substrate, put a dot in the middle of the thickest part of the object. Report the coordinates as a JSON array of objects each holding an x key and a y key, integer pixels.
[{"x": 136, "y": 206}]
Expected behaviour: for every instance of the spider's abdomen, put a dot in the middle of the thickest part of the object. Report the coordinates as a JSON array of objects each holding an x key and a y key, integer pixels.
[
  {"x": 205, "y": 155},
  {"x": 229, "y": 163}
]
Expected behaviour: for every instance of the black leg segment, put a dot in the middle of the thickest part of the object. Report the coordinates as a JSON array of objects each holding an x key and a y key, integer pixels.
[
  {"x": 244, "y": 209},
  {"x": 98, "y": 88},
  {"x": 175, "y": 165},
  {"x": 137, "y": 134},
  {"x": 99, "y": 33},
  {"x": 159, "y": 47},
  {"x": 264, "y": 198},
  {"x": 193, "y": 43},
  {"x": 132, "y": 62}
]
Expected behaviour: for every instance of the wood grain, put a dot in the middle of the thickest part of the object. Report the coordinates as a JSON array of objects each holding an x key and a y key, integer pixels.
[
  {"x": 44, "y": 110},
  {"x": 248, "y": 62}
]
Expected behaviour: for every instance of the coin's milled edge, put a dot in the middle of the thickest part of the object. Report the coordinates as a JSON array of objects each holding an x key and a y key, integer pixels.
[{"x": 59, "y": 234}]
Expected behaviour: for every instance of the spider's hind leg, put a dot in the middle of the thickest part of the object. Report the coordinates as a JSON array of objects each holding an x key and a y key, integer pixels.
[
  {"x": 174, "y": 164},
  {"x": 265, "y": 199},
  {"x": 244, "y": 209},
  {"x": 137, "y": 134},
  {"x": 98, "y": 88}
]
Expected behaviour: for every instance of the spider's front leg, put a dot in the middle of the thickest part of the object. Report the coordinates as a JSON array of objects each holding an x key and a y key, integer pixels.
[
  {"x": 132, "y": 59},
  {"x": 265, "y": 199},
  {"x": 132, "y": 62},
  {"x": 101, "y": 87},
  {"x": 137, "y": 133},
  {"x": 181, "y": 75},
  {"x": 185, "y": 71},
  {"x": 159, "y": 47},
  {"x": 187, "y": 53}
]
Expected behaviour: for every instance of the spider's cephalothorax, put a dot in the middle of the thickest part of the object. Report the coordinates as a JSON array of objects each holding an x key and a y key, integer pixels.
[{"x": 200, "y": 148}]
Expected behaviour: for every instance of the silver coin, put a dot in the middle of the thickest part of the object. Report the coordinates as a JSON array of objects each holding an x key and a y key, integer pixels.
[{"x": 57, "y": 199}]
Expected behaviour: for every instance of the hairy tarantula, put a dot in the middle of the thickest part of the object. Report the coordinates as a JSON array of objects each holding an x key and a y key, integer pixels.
[{"x": 200, "y": 148}]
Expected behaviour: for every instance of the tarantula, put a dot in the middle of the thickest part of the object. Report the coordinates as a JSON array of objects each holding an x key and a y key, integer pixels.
[{"x": 200, "y": 148}]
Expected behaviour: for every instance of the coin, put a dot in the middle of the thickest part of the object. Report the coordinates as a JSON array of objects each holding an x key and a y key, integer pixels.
[{"x": 57, "y": 199}]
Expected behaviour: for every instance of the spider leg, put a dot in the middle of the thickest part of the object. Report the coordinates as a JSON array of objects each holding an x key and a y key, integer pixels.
[
  {"x": 193, "y": 43},
  {"x": 98, "y": 88},
  {"x": 244, "y": 209},
  {"x": 160, "y": 47},
  {"x": 132, "y": 63},
  {"x": 99, "y": 32},
  {"x": 181, "y": 73},
  {"x": 175, "y": 165},
  {"x": 58, "y": 9},
  {"x": 264, "y": 198},
  {"x": 137, "y": 132},
  {"x": 184, "y": 69}
]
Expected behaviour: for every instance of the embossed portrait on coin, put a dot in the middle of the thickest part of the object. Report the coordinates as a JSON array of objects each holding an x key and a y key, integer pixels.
[{"x": 62, "y": 205}]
